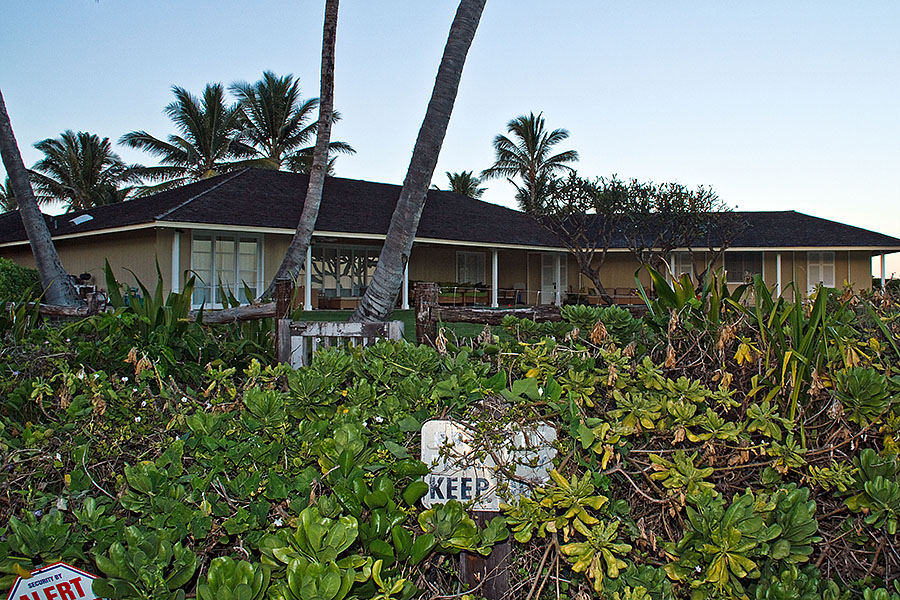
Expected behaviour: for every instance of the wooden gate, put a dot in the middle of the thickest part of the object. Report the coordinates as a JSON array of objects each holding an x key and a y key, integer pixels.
[{"x": 298, "y": 340}]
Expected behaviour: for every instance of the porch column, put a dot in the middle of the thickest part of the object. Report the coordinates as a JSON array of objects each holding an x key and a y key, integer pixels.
[
  {"x": 176, "y": 261},
  {"x": 883, "y": 274},
  {"x": 405, "y": 291},
  {"x": 778, "y": 275},
  {"x": 494, "y": 299},
  {"x": 307, "y": 279},
  {"x": 558, "y": 280}
]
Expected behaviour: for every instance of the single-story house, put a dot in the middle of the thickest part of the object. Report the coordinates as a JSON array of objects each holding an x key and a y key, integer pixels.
[{"x": 234, "y": 229}]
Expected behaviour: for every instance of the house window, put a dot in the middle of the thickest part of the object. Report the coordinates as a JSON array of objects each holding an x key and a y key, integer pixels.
[
  {"x": 681, "y": 264},
  {"x": 470, "y": 267},
  {"x": 819, "y": 269},
  {"x": 225, "y": 264},
  {"x": 740, "y": 267},
  {"x": 343, "y": 271}
]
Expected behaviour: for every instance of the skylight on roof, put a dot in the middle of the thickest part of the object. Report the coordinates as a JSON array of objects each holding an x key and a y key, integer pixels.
[{"x": 81, "y": 219}]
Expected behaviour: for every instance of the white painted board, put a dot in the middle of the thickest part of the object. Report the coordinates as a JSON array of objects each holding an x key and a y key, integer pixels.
[{"x": 484, "y": 474}]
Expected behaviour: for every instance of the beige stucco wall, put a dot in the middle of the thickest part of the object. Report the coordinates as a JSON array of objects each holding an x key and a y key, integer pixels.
[
  {"x": 533, "y": 276},
  {"x": 133, "y": 250},
  {"x": 137, "y": 250},
  {"x": 275, "y": 246},
  {"x": 617, "y": 272},
  {"x": 861, "y": 269},
  {"x": 434, "y": 262},
  {"x": 438, "y": 263}
]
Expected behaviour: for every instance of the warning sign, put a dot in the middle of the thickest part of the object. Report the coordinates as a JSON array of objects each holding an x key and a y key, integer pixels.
[
  {"x": 484, "y": 472},
  {"x": 58, "y": 581}
]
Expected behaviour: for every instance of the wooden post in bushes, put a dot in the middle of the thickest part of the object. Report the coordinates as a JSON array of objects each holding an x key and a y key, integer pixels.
[
  {"x": 284, "y": 291},
  {"x": 489, "y": 574},
  {"x": 426, "y": 298}
]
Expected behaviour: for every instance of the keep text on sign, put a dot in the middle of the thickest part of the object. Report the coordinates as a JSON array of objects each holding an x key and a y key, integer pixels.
[{"x": 484, "y": 473}]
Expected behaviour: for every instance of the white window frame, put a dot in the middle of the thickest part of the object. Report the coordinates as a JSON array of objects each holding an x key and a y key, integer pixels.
[
  {"x": 820, "y": 262},
  {"x": 462, "y": 264},
  {"x": 738, "y": 277},
  {"x": 237, "y": 287},
  {"x": 674, "y": 259},
  {"x": 319, "y": 268}
]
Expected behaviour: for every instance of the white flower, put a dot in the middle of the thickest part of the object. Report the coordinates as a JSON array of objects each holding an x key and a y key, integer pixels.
[
  {"x": 278, "y": 522},
  {"x": 698, "y": 569},
  {"x": 143, "y": 403},
  {"x": 540, "y": 391},
  {"x": 137, "y": 419},
  {"x": 80, "y": 374},
  {"x": 124, "y": 380},
  {"x": 379, "y": 419},
  {"x": 58, "y": 457},
  {"x": 183, "y": 399},
  {"x": 133, "y": 389}
]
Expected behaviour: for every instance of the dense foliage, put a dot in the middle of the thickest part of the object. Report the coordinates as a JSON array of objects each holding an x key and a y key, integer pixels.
[
  {"x": 17, "y": 282},
  {"x": 725, "y": 445}
]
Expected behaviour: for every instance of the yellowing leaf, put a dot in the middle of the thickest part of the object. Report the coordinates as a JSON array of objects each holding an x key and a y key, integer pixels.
[{"x": 21, "y": 571}]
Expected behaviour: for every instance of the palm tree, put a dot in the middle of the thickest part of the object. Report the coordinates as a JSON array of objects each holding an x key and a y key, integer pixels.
[
  {"x": 275, "y": 121},
  {"x": 58, "y": 287},
  {"x": 381, "y": 295},
  {"x": 7, "y": 197},
  {"x": 82, "y": 171},
  {"x": 296, "y": 252},
  {"x": 465, "y": 183},
  {"x": 529, "y": 158},
  {"x": 205, "y": 145}
]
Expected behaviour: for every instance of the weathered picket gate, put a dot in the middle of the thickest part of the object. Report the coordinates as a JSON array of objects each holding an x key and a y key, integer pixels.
[{"x": 297, "y": 341}]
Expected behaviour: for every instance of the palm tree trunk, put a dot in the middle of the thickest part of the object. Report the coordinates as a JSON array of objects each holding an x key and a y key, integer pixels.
[
  {"x": 381, "y": 295},
  {"x": 58, "y": 288},
  {"x": 296, "y": 252}
]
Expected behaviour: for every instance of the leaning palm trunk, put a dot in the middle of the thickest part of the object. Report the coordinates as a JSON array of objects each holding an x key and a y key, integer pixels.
[
  {"x": 381, "y": 295},
  {"x": 296, "y": 252},
  {"x": 58, "y": 288}
]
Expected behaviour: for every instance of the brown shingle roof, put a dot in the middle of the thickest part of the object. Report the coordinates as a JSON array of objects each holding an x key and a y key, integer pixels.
[{"x": 262, "y": 198}]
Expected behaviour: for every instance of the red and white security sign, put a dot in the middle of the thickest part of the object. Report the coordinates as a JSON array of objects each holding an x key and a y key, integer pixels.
[{"x": 58, "y": 581}]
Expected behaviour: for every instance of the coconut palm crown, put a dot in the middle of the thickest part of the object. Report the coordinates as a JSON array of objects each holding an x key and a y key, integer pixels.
[
  {"x": 206, "y": 143},
  {"x": 465, "y": 183},
  {"x": 527, "y": 154},
  {"x": 279, "y": 124},
  {"x": 7, "y": 197},
  {"x": 82, "y": 171}
]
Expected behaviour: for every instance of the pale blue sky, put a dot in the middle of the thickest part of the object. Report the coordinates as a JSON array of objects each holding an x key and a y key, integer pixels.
[{"x": 777, "y": 105}]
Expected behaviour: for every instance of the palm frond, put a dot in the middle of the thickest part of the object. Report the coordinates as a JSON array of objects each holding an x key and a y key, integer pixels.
[{"x": 526, "y": 155}]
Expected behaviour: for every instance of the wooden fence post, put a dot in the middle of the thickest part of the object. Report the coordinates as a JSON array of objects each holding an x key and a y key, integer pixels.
[
  {"x": 284, "y": 290},
  {"x": 283, "y": 340},
  {"x": 490, "y": 574},
  {"x": 426, "y": 298}
]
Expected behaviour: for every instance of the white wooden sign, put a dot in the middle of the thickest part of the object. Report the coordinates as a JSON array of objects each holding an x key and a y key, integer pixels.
[
  {"x": 58, "y": 581},
  {"x": 482, "y": 474}
]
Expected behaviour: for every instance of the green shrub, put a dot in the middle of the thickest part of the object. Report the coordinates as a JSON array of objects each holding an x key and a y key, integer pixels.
[
  {"x": 159, "y": 453},
  {"x": 16, "y": 281}
]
